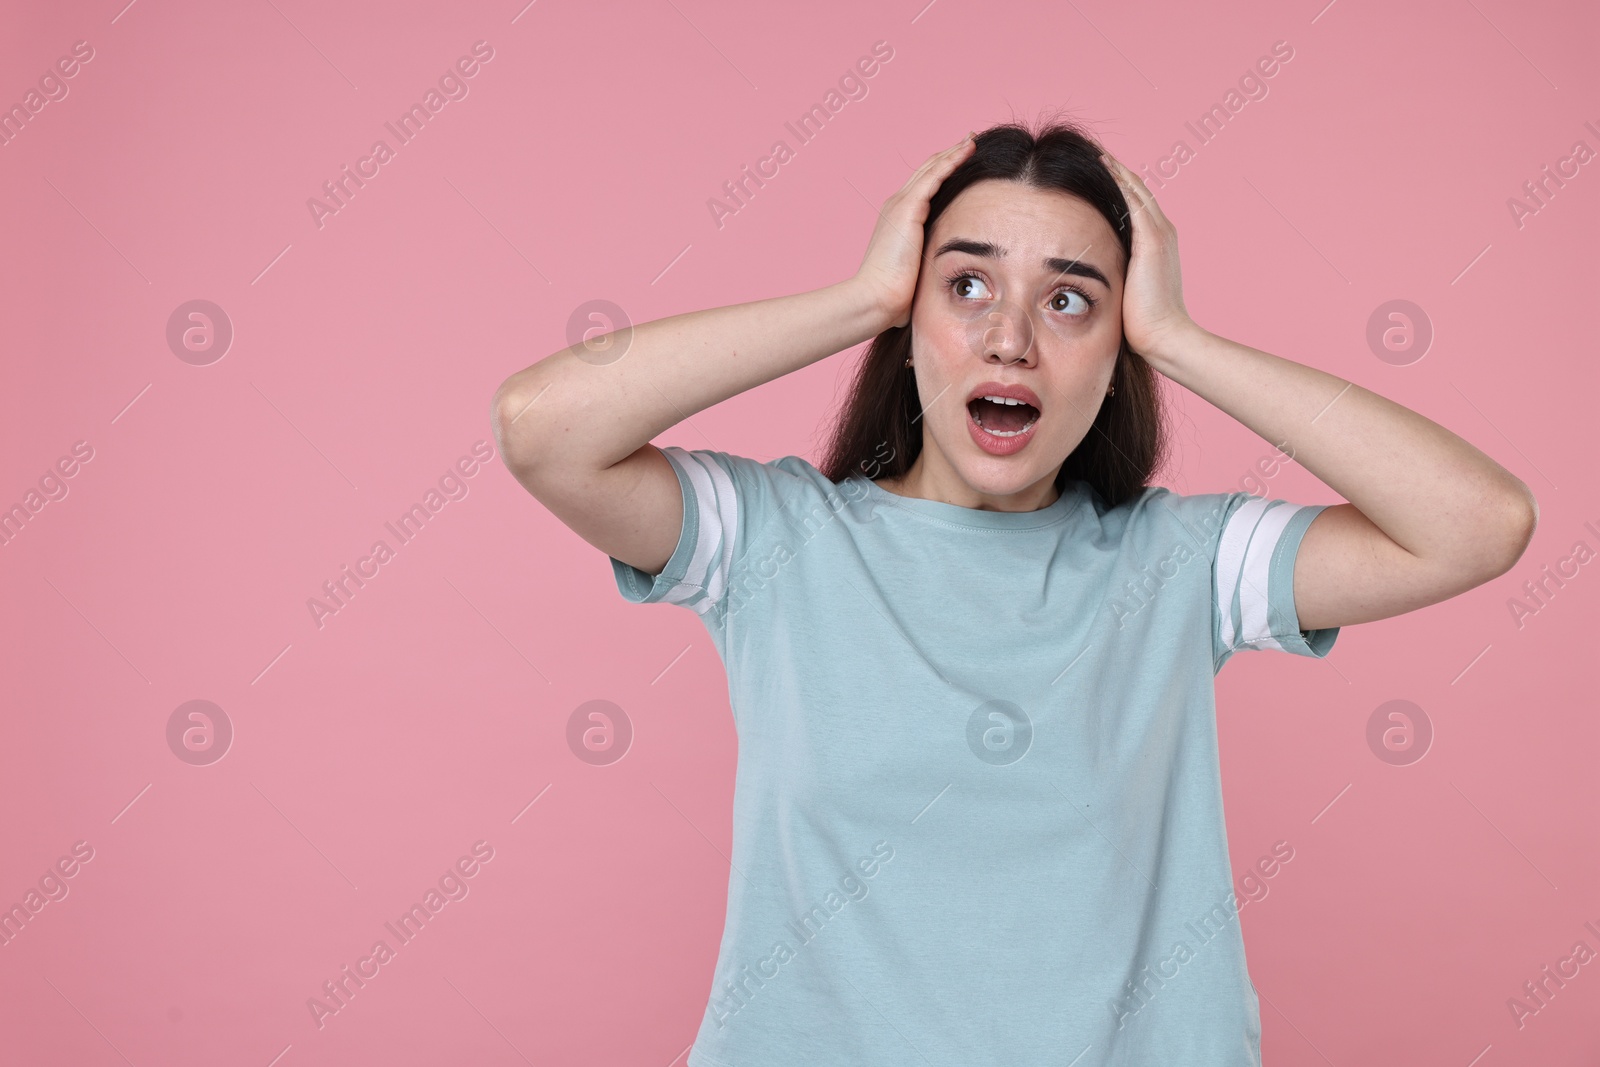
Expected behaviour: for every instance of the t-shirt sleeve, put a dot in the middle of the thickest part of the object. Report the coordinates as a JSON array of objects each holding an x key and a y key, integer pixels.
[
  {"x": 725, "y": 500},
  {"x": 1253, "y": 579}
]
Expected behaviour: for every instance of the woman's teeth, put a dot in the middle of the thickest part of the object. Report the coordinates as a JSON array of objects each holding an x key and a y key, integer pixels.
[
  {"x": 977, "y": 417},
  {"x": 1009, "y": 433}
]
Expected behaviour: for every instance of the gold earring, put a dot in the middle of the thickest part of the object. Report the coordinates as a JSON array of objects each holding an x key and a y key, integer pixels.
[
  {"x": 908, "y": 361},
  {"x": 1113, "y": 390}
]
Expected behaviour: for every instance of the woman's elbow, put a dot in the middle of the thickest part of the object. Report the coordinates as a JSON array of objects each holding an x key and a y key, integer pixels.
[
  {"x": 511, "y": 430},
  {"x": 1513, "y": 531}
]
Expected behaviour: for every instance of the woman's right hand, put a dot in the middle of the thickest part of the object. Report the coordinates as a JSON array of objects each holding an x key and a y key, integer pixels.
[{"x": 893, "y": 261}]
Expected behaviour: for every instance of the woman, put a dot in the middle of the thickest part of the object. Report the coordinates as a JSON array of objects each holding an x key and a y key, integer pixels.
[{"x": 978, "y": 814}]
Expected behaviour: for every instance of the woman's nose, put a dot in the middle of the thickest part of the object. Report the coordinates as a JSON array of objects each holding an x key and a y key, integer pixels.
[{"x": 1005, "y": 331}]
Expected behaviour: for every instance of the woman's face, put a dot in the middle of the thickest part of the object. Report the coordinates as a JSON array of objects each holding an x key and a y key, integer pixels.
[{"x": 1020, "y": 294}]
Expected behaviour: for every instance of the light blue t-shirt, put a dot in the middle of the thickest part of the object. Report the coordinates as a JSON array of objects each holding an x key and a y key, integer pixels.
[{"x": 977, "y": 813}]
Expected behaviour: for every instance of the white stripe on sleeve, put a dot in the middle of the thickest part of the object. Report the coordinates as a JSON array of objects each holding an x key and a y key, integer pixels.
[
  {"x": 1230, "y": 561},
  {"x": 717, "y": 513},
  {"x": 1255, "y": 597}
]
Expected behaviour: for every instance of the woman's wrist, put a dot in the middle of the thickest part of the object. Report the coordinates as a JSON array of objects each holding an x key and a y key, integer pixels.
[
  {"x": 1167, "y": 351},
  {"x": 866, "y": 306}
]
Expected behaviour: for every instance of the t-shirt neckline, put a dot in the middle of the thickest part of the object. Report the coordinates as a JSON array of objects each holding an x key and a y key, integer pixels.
[{"x": 979, "y": 518}]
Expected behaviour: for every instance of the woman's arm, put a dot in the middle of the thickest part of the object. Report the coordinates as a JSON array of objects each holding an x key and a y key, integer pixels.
[
  {"x": 1429, "y": 517},
  {"x": 577, "y": 434},
  {"x": 566, "y": 411}
]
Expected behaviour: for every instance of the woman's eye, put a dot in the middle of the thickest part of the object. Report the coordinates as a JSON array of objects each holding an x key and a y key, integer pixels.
[
  {"x": 1066, "y": 301},
  {"x": 961, "y": 286},
  {"x": 1076, "y": 302}
]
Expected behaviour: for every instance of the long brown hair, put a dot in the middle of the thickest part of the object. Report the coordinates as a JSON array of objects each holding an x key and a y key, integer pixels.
[{"x": 875, "y": 434}]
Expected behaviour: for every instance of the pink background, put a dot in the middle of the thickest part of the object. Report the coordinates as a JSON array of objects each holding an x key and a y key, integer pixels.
[{"x": 371, "y": 752}]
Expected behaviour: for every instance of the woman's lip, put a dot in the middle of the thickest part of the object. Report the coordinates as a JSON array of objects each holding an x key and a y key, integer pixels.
[
  {"x": 1011, "y": 392},
  {"x": 999, "y": 446}
]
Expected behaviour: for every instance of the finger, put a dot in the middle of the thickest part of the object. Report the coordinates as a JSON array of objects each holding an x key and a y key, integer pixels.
[
  {"x": 958, "y": 146},
  {"x": 1140, "y": 202},
  {"x": 1134, "y": 188},
  {"x": 943, "y": 157},
  {"x": 937, "y": 167},
  {"x": 951, "y": 157}
]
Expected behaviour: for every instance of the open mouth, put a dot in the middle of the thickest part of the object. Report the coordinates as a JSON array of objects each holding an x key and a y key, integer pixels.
[{"x": 1003, "y": 416}]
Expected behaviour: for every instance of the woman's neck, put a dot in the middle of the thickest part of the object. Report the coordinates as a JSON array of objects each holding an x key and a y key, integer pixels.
[{"x": 939, "y": 481}]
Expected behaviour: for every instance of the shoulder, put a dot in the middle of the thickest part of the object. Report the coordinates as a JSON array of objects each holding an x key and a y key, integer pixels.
[
  {"x": 752, "y": 499},
  {"x": 784, "y": 477},
  {"x": 1234, "y": 528},
  {"x": 1159, "y": 513}
]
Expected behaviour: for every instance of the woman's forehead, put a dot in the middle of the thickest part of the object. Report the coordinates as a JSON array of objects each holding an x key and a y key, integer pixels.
[{"x": 1027, "y": 225}]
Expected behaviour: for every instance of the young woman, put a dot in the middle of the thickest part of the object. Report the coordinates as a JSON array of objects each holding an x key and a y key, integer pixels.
[{"x": 977, "y": 813}]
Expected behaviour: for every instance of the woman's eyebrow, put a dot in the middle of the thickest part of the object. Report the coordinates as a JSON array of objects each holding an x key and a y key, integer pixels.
[{"x": 994, "y": 251}]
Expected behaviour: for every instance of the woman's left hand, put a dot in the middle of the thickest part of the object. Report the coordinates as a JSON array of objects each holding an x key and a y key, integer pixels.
[{"x": 1154, "y": 319}]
